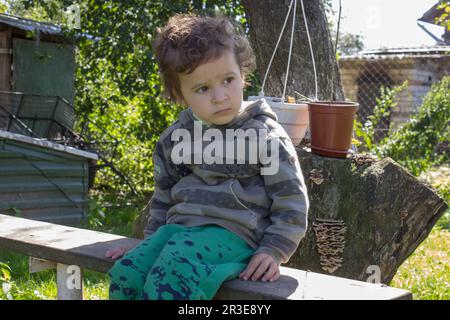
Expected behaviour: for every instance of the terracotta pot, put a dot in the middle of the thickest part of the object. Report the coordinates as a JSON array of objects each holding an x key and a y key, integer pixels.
[
  {"x": 293, "y": 117},
  {"x": 331, "y": 126}
]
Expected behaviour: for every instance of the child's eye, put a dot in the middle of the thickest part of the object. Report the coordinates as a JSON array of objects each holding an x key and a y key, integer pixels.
[
  {"x": 202, "y": 89},
  {"x": 229, "y": 79}
]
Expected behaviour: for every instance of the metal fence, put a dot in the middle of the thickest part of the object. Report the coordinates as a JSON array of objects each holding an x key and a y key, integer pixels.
[
  {"x": 364, "y": 76},
  {"x": 45, "y": 116}
]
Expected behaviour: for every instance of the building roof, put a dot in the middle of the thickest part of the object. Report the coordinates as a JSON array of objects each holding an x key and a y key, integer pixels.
[
  {"x": 29, "y": 25},
  {"x": 43, "y": 143},
  {"x": 406, "y": 52},
  {"x": 439, "y": 49}
]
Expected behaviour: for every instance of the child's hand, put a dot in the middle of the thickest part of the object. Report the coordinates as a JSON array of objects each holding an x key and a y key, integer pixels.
[
  {"x": 117, "y": 252},
  {"x": 261, "y": 264}
]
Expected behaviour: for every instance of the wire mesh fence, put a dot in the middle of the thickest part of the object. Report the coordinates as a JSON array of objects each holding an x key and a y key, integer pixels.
[{"x": 364, "y": 76}]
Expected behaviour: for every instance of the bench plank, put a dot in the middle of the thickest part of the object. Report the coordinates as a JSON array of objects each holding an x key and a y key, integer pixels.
[
  {"x": 59, "y": 243},
  {"x": 86, "y": 249}
]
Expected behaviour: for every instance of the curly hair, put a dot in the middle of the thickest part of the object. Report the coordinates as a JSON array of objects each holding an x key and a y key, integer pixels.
[{"x": 188, "y": 40}]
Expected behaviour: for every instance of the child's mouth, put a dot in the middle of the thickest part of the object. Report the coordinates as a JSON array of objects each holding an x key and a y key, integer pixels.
[{"x": 223, "y": 111}]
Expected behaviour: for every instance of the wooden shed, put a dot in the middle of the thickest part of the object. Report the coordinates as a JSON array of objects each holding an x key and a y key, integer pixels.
[
  {"x": 42, "y": 180},
  {"x": 36, "y": 58}
]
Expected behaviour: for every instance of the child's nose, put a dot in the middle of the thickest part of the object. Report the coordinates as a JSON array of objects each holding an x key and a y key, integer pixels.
[{"x": 219, "y": 95}]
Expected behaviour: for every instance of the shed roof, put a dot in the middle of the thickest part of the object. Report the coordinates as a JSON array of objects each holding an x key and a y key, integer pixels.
[
  {"x": 405, "y": 52},
  {"x": 44, "y": 143},
  {"x": 44, "y": 28},
  {"x": 29, "y": 25}
]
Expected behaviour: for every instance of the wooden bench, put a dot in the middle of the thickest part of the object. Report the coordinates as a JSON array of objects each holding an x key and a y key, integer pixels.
[{"x": 70, "y": 249}]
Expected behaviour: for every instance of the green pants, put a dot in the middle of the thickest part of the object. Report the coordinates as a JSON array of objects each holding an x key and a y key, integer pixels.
[{"x": 179, "y": 263}]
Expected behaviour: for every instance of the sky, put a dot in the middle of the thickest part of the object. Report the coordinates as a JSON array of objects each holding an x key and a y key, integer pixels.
[{"x": 387, "y": 23}]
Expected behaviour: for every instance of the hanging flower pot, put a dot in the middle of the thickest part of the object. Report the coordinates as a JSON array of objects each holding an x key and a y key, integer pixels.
[
  {"x": 293, "y": 117},
  {"x": 331, "y": 127}
]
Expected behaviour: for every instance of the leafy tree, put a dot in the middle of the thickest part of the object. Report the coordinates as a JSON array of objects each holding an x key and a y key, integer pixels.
[
  {"x": 3, "y": 7},
  {"x": 350, "y": 44},
  {"x": 443, "y": 19}
]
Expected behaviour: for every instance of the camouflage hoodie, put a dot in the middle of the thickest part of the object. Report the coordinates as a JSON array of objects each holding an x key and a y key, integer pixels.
[{"x": 268, "y": 211}]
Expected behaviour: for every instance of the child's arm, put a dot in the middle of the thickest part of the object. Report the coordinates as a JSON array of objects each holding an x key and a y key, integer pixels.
[
  {"x": 161, "y": 201},
  {"x": 287, "y": 190}
]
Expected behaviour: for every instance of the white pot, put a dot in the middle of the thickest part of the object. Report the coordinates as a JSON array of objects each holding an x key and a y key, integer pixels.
[{"x": 293, "y": 117}]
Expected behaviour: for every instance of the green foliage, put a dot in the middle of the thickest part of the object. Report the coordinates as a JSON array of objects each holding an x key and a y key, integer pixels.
[
  {"x": 421, "y": 143},
  {"x": 350, "y": 44},
  {"x": 443, "y": 19},
  {"x": 108, "y": 212},
  {"x": 49, "y": 10},
  {"x": 424, "y": 141},
  {"x": 444, "y": 221},
  {"x": 438, "y": 177},
  {"x": 367, "y": 132},
  {"x": 5, "y": 272},
  {"x": 13, "y": 211},
  {"x": 5, "y": 282},
  {"x": 95, "y": 215},
  {"x": 3, "y": 7}
]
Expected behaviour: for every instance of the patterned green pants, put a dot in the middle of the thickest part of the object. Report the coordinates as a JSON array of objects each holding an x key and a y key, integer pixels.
[{"x": 179, "y": 263}]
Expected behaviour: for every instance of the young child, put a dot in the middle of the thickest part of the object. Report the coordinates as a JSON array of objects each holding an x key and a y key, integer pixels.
[{"x": 211, "y": 222}]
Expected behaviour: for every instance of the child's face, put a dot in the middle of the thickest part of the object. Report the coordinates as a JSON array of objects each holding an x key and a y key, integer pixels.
[{"x": 214, "y": 89}]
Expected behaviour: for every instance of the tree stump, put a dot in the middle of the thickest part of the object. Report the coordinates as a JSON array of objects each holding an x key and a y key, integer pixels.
[{"x": 366, "y": 216}]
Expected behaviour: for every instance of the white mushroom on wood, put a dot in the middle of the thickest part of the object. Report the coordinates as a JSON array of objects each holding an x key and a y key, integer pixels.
[{"x": 330, "y": 240}]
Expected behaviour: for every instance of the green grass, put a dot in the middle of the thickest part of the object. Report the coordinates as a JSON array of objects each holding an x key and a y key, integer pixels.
[
  {"x": 42, "y": 285},
  {"x": 426, "y": 273}
]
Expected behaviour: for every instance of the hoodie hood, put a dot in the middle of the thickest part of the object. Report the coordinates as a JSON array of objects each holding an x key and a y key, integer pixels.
[{"x": 249, "y": 109}]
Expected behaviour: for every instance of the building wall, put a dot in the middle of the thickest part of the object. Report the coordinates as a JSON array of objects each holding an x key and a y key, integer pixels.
[
  {"x": 42, "y": 184},
  {"x": 45, "y": 69}
]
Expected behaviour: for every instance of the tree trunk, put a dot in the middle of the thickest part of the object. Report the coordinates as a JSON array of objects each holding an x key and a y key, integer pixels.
[{"x": 266, "y": 19}]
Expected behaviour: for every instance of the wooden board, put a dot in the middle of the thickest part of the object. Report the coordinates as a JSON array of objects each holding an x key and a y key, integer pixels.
[
  {"x": 5, "y": 60},
  {"x": 297, "y": 284},
  {"x": 58, "y": 243},
  {"x": 85, "y": 248}
]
